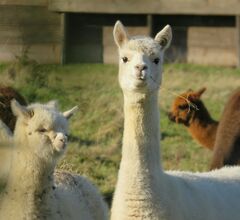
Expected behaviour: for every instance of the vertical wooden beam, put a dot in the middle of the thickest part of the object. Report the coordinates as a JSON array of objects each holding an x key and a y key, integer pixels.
[
  {"x": 150, "y": 24},
  {"x": 63, "y": 37},
  {"x": 238, "y": 40}
]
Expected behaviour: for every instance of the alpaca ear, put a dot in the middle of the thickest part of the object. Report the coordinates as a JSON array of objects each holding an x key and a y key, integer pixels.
[
  {"x": 201, "y": 91},
  {"x": 53, "y": 104},
  {"x": 19, "y": 110},
  {"x": 164, "y": 37},
  {"x": 197, "y": 95},
  {"x": 120, "y": 34},
  {"x": 68, "y": 114}
]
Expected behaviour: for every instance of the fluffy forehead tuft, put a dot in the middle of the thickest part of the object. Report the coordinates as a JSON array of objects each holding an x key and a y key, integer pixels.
[
  {"x": 143, "y": 44},
  {"x": 48, "y": 117}
]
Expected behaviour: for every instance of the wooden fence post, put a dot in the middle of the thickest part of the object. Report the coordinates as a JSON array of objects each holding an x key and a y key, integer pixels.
[
  {"x": 150, "y": 24},
  {"x": 238, "y": 40},
  {"x": 63, "y": 38}
]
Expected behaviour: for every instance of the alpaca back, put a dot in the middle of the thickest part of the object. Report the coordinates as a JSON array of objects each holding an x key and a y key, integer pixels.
[
  {"x": 210, "y": 195},
  {"x": 6, "y": 95},
  {"x": 78, "y": 197},
  {"x": 227, "y": 144}
]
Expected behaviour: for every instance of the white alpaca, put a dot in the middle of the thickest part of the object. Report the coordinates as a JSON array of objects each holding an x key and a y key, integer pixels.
[
  {"x": 33, "y": 191},
  {"x": 144, "y": 190},
  {"x": 5, "y": 151}
]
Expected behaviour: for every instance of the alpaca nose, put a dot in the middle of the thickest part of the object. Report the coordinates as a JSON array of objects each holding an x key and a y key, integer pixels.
[
  {"x": 141, "y": 67},
  {"x": 140, "y": 71},
  {"x": 61, "y": 137}
]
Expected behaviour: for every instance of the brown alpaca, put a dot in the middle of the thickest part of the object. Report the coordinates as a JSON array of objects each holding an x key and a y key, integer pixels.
[
  {"x": 6, "y": 115},
  {"x": 227, "y": 143},
  {"x": 188, "y": 109}
]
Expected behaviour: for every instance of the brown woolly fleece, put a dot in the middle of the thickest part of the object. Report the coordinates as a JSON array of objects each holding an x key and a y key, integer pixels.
[
  {"x": 6, "y": 95},
  {"x": 227, "y": 144},
  {"x": 188, "y": 109}
]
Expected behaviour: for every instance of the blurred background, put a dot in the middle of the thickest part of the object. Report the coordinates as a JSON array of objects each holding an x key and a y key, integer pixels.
[
  {"x": 78, "y": 31},
  {"x": 64, "y": 50}
]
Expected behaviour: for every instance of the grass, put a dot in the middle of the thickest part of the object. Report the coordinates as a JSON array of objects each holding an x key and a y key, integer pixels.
[{"x": 96, "y": 130}]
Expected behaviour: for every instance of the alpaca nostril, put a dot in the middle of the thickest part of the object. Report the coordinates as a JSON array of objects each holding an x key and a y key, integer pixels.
[
  {"x": 140, "y": 73},
  {"x": 141, "y": 67},
  {"x": 61, "y": 139},
  {"x": 171, "y": 117}
]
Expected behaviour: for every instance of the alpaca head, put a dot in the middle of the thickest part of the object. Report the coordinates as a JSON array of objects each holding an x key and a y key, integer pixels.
[
  {"x": 41, "y": 128},
  {"x": 140, "y": 59},
  {"x": 183, "y": 111}
]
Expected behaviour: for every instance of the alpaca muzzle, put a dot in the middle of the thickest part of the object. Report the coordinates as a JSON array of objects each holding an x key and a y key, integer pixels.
[
  {"x": 140, "y": 72},
  {"x": 60, "y": 142},
  {"x": 171, "y": 117}
]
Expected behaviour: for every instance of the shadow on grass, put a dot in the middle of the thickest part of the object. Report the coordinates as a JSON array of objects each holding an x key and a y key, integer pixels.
[
  {"x": 167, "y": 135},
  {"x": 108, "y": 198}
]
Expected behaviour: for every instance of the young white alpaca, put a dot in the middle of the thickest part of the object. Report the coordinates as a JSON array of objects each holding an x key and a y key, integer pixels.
[
  {"x": 144, "y": 190},
  {"x": 33, "y": 191}
]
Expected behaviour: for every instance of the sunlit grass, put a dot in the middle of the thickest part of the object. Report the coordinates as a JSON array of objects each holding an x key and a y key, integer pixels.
[{"x": 96, "y": 130}]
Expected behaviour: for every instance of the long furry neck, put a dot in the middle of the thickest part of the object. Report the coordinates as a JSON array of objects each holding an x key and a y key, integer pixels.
[
  {"x": 141, "y": 137},
  {"x": 203, "y": 127},
  {"x": 30, "y": 183},
  {"x": 30, "y": 167},
  {"x": 141, "y": 140},
  {"x": 140, "y": 170},
  {"x": 202, "y": 114}
]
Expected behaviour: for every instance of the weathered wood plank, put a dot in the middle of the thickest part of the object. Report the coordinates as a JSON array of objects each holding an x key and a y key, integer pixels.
[
  {"x": 220, "y": 37},
  {"x": 203, "y": 7},
  {"x": 238, "y": 40},
  {"x": 24, "y": 15},
  {"x": 31, "y": 27},
  {"x": 42, "y": 53},
  {"x": 29, "y": 34},
  {"x": 212, "y": 56},
  {"x": 28, "y": 24},
  {"x": 212, "y": 46},
  {"x": 24, "y": 2}
]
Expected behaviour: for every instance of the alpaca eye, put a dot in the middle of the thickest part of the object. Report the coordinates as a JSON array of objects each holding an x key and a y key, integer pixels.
[
  {"x": 125, "y": 59},
  {"x": 183, "y": 107},
  {"x": 42, "y": 130},
  {"x": 156, "y": 60}
]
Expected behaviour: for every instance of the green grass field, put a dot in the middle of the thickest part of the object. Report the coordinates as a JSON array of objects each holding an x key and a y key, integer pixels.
[{"x": 96, "y": 130}]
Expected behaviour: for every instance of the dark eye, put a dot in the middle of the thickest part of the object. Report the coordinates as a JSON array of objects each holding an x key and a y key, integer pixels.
[
  {"x": 42, "y": 130},
  {"x": 183, "y": 107},
  {"x": 125, "y": 59},
  {"x": 156, "y": 60}
]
